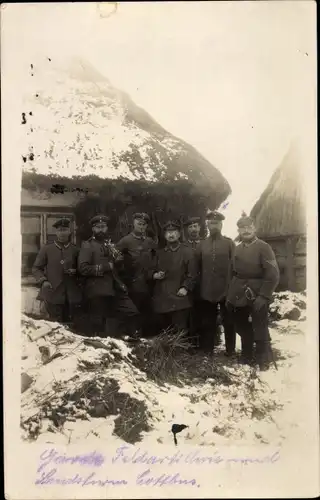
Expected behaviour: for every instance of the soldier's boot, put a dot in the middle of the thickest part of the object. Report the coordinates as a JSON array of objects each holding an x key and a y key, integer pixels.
[
  {"x": 263, "y": 354},
  {"x": 246, "y": 356},
  {"x": 111, "y": 327}
]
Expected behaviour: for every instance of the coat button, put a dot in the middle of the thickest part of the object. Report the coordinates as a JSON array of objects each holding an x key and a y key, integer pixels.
[{"x": 61, "y": 261}]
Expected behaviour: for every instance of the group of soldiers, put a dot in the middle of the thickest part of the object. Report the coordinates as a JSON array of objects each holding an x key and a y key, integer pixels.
[{"x": 137, "y": 289}]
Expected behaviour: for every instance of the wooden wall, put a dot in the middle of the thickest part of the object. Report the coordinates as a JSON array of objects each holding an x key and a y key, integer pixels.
[{"x": 291, "y": 255}]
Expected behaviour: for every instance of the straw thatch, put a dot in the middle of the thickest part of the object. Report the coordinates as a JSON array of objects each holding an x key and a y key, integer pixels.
[
  {"x": 80, "y": 130},
  {"x": 280, "y": 210}
]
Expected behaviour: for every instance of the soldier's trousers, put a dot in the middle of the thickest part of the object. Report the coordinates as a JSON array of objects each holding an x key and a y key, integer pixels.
[
  {"x": 256, "y": 331},
  {"x": 195, "y": 323},
  {"x": 209, "y": 327},
  {"x": 62, "y": 313},
  {"x": 112, "y": 316},
  {"x": 142, "y": 301},
  {"x": 178, "y": 320}
]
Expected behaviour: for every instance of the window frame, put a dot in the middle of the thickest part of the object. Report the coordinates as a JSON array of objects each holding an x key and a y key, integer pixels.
[{"x": 43, "y": 215}]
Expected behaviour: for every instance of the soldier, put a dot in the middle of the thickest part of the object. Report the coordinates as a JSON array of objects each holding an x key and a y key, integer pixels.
[
  {"x": 137, "y": 249},
  {"x": 55, "y": 269},
  {"x": 193, "y": 240},
  {"x": 105, "y": 292},
  {"x": 193, "y": 232},
  {"x": 255, "y": 277},
  {"x": 215, "y": 254},
  {"x": 174, "y": 274}
]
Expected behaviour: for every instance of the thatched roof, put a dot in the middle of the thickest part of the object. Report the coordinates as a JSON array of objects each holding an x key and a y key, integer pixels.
[
  {"x": 280, "y": 209},
  {"x": 77, "y": 124}
]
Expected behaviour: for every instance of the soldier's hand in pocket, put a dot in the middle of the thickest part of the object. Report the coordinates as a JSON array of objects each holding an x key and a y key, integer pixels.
[
  {"x": 259, "y": 303},
  {"x": 182, "y": 292},
  {"x": 47, "y": 285},
  {"x": 159, "y": 275}
]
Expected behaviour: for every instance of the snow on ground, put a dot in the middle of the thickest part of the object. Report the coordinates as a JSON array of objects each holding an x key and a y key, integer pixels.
[{"x": 102, "y": 392}]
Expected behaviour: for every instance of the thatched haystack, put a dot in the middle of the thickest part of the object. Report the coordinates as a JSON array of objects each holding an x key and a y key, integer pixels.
[
  {"x": 82, "y": 134},
  {"x": 280, "y": 209},
  {"x": 280, "y": 218}
]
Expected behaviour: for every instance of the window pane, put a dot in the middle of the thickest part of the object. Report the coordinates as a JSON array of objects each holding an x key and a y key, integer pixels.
[
  {"x": 50, "y": 238},
  {"x": 30, "y": 224},
  {"x": 30, "y": 243},
  {"x": 31, "y": 237}
]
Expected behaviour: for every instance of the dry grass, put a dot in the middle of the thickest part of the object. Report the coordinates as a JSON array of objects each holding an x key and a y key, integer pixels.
[
  {"x": 168, "y": 358},
  {"x": 160, "y": 358}
]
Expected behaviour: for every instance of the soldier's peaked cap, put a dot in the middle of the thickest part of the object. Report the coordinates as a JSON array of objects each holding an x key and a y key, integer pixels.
[
  {"x": 171, "y": 225},
  {"x": 192, "y": 220},
  {"x": 64, "y": 222},
  {"x": 214, "y": 215},
  {"x": 245, "y": 220},
  {"x": 98, "y": 218},
  {"x": 142, "y": 216}
]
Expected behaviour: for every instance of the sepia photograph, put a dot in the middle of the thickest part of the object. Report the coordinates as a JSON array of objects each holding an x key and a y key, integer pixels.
[{"x": 160, "y": 218}]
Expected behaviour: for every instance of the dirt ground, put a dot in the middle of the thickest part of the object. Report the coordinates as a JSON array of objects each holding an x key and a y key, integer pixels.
[{"x": 101, "y": 393}]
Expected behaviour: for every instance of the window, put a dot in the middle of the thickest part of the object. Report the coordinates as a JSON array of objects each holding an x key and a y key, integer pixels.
[
  {"x": 36, "y": 230},
  {"x": 31, "y": 240}
]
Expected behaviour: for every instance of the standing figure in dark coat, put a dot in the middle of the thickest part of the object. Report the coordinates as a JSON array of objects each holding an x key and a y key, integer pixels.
[
  {"x": 105, "y": 293},
  {"x": 138, "y": 250},
  {"x": 215, "y": 254},
  {"x": 193, "y": 241},
  {"x": 174, "y": 274},
  {"x": 55, "y": 270},
  {"x": 255, "y": 278}
]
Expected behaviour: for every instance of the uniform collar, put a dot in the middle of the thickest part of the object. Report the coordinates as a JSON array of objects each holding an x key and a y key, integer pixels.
[
  {"x": 174, "y": 249},
  {"x": 194, "y": 241},
  {"x": 99, "y": 241},
  {"x": 61, "y": 246},
  {"x": 138, "y": 237},
  {"x": 217, "y": 236},
  {"x": 250, "y": 242}
]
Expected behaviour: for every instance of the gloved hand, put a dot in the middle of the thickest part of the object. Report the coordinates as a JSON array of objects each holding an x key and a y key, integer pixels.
[{"x": 259, "y": 303}]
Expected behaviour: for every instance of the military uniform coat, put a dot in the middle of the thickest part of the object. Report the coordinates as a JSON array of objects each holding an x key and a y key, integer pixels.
[
  {"x": 50, "y": 265},
  {"x": 94, "y": 264},
  {"x": 253, "y": 265},
  {"x": 180, "y": 270},
  {"x": 214, "y": 255},
  {"x": 137, "y": 252}
]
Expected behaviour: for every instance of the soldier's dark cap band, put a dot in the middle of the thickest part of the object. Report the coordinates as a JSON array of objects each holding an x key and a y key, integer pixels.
[
  {"x": 217, "y": 216},
  {"x": 141, "y": 216},
  {"x": 98, "y": 218},
  {"x": 62, "y": 223}
]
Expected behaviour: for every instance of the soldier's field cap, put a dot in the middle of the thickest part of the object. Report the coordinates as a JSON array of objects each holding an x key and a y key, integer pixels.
[
  {"x": 171, "y": 225},
  {"x": 214, "y": 215},
  {"x": 245, "y": 220},
  {"x": 98, "y": 218},
  {"x": 141, "y": 216},
  {"x": 192, "y": 220},
  {"x": 64, "y": 222}
]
